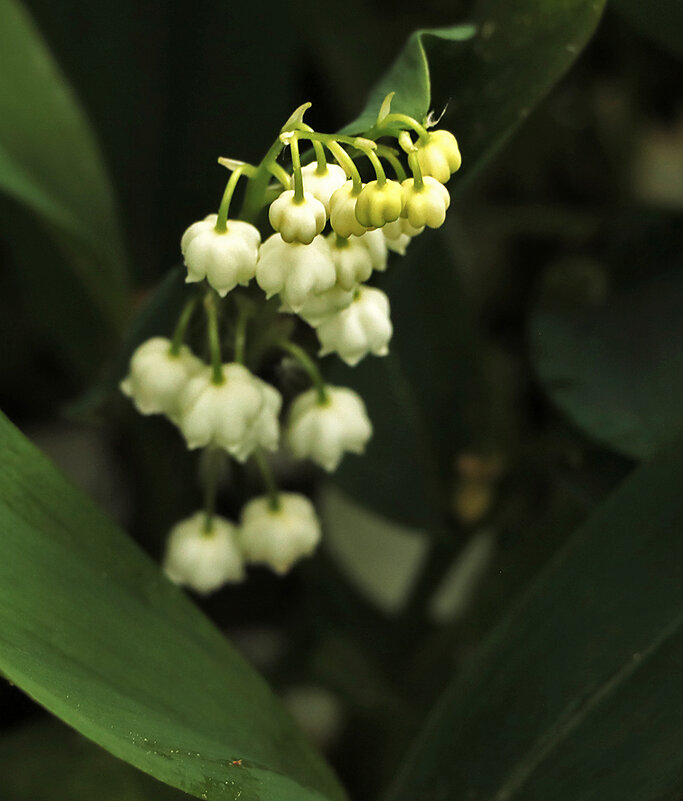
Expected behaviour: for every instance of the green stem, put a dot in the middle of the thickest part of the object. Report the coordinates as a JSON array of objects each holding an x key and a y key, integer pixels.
[
  {"x": 268, "y": 479},
  {"x": 211, "y": 473},
  {"x": 256, "y": 189},
  {"x": 414, "y": 164},
  {"x": 306, "y": 132},
  {"x": 280, "y": 173},
  {"x": 377, "y": 166},
  {"x": 296, "y": 170},
  {"x": 346, "y": 163},
  {"x": 181, "y": 326},
  {"x": 320, "y": 156},
  {"x": 221, "y": 222},
  {"x": 308, "y": 365},
  {"x": 317, "y": 147},
  {"x": 421, "y": 131},
  {"x": 214, "y": 338},
  {"x": 388, "y": 155}
]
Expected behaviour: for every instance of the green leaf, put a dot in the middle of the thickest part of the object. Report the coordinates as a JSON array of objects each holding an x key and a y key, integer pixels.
[
  {"x": 571, "y": 696},
  {"x": 408, "y": 78},
  {"x": 617, "y": 370},
  {"x": 48, "y": 761},
  {"x": 92, "y": 630},
  {"x": 660, "y": 20},
  {"x": 419, "y": 397},
  {"x": 489, "y": 82},
  {"x": 50, "y": 162}
]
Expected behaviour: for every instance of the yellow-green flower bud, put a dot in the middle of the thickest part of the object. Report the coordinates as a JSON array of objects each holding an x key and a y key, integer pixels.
[
  {"x": 343, "y": 212},
  {"x": 439, "y": 156},
  {"x": 426, "y": 205},
  {"x": 379, "y": 203}
]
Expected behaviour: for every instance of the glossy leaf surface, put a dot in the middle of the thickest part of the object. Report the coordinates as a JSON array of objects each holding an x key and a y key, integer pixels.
[
  {"x": 571, "y": 695},
  {"x": 50, "y": 161},
  {"x": 92, "y": 630},
  {"x": 617, "y": 370}
]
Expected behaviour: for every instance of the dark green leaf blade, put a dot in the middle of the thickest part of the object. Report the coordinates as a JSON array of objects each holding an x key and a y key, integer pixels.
[
  {"x": 91, "y": 629},
  {"x": 491, "y": 82},
  {"x": 49, "y": 159},
  {"x": 408, "y": 77},
  {"x": 617, "y": 370},
  {"x": 552, "y": 691},
  {"x": 522, "y": 49},
  {"x": 47, "y": 761}
]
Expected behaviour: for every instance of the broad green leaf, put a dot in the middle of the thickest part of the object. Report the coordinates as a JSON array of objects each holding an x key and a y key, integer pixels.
[
  {"x": 408, "y": 77},
  {"x": 57, "y": 310},
  {"x": 92, "y": 630},
  {"x": 49, "y": 762},
  {"x": 571, "y": 695},
  {"x": 617, "y": 370},
  {"x": 420, "y": 396},
  {"x": 492, "y": 81},
  {"x": 660, "y": 20},
  {"x": 50, "y": 162}
]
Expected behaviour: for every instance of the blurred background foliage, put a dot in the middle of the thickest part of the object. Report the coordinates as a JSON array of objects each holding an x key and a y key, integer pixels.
[{"x": 569, "y": 236}]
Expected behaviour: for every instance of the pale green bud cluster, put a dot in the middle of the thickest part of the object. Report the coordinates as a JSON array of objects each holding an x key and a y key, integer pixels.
[{"x": 314, "y": 239}]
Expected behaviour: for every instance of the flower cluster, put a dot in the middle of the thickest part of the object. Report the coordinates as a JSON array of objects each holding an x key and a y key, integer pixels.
[{"x": 330, "y": 233}]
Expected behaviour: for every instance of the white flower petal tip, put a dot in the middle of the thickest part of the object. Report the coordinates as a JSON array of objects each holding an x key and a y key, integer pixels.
[
  {"x": 322, "y": 185},
  {"x": 318, "y": 307},
  {"x": 239, "y": 415},
  {"x": 279, "y": 537},
  {"x": 297, "y": 221},
  {"x": 355, "y": 257},
  {"x": 225, "y": 259},
  {"x": 324, "y": 432},
  {"x": 201, "y": 558},
  {"x": 157, "y": 377},
  {"x": 295, "y": 271},
  {"x": 364, "y": 327},
  {"x": 398, "y": 235}
]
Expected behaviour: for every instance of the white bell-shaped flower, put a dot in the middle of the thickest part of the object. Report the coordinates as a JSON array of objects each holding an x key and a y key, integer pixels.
[
  {"x": 343, "y": 212},
  {"x": 318, "y": 307},
  {"x": 295, "y": 271},
  {"x": 324, "y": 431},
  {"x": 203, "y": 557},
  {"x": 398, "y": 235},
  {"x": 428, "y": 205},
  {"x": 279, "y": 537},
  {"x": 439, "y": 156},
  {"x": 352, "y": 260},
  {"x": 364, "y": 327},
  {"x": 156, "y": 376},
  {"x": 356, "y": 257},
  {"x": 297, "y": 221},
  {"x": 376, "y": 246},
  {"x": 224, "y": 259},
  {"x": 322, "y": 185},
  {"x": 240, "y": 414}
]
